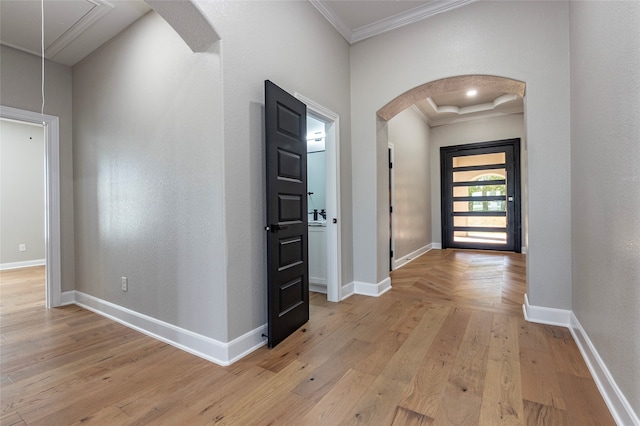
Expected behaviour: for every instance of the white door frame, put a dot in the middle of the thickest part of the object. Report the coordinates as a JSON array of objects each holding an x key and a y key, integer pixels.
[
  {"x": 52, "y": 196},
  {"x": 332, "y": 148},
  {"x": 392, "y": 225}
]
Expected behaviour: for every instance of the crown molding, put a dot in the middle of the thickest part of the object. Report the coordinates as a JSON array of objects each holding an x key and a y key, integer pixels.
[
  {"x": 416, "y": 14},
  {"x": 333, "y": 19}
]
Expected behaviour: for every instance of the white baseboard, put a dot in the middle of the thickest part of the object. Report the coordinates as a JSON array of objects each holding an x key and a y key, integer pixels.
[
  {"x": 375, "y": 290},
  {"x": 399, "y": 263},
  {"x": 543, "y": 315},
  {"x": 205, "y": 347},
  {"x": 318, "y": 288},
  {"x": 436, "y": 246},
  {"x": 347, "y": 291},
  {"x": 318, "y": 281},
  {"x": 67, "y": 298},
  {"x": 619, "y": 407},
  {"x": 23, "y": 264},
  {"x": 523, "y": 250}
]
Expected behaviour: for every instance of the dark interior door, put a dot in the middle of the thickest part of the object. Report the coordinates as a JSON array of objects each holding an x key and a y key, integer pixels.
[
  {"x": 287, "y": 250},
  {"x": 481, "y": 195}
]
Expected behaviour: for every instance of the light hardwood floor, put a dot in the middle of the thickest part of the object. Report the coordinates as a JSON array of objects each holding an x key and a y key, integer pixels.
[{"x": 447, "y": 345}]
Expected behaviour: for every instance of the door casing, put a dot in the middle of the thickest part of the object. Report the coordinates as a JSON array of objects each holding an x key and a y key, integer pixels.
[{"x": 513, "y": 190}]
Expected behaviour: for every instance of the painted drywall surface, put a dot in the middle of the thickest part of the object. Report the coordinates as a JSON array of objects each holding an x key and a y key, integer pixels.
[
  {"x": 481, "y": 130},
  {"x": 21, "y": 191},
  {"x": 20, "y": 80},
  {"x": 527, "y": 41},
  {"x": 605, "y": 184},
  {"x": 148, "y": 160},
  {"x": 291, "y": 44},
  {"x": 409, "y": 134}
]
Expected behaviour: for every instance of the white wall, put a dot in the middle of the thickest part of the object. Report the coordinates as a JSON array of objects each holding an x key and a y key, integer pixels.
[
  {"x": 605, "y": 184},
  {"x": 409, "y": 134},
  {"x": 480, "y": 130},
  {"x": 291, "y": 44},
  {"x": 20, "y": 76},
  {"x": 149, "y": 171},
  {"x": 21, "y": 192},
  {"x": 527, "y": 41}
]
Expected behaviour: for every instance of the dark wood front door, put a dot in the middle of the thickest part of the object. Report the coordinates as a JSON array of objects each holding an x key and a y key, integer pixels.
[
  {"x": 481, "y": 195},
  {"x": 287, "y": 219}
]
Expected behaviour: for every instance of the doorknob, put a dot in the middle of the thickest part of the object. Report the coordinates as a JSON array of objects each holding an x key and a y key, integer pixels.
[{"x": 274, "y": 227}]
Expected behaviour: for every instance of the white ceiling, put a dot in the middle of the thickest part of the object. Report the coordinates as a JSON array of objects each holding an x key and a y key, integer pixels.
[{"x": 75, "y": 28}]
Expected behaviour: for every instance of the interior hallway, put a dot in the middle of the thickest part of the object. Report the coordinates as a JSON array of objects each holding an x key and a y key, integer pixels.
[{"x": 447, "y": 345}]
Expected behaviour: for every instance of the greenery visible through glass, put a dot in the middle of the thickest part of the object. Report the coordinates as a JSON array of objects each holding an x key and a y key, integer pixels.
[{"x": 487, "y": 190}]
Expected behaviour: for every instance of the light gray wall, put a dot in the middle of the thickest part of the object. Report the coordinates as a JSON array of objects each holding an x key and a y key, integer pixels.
[
  {"x": 21, "y": 191},
  {"x": 291, "y": 44},
  {"x": 480, "y": 130},
  {"x": 605, "y": 184},
  {"x": 409, "y": 134},
  {"x": 527, "y": 41},
  {"x": 20, "y": 77},
  {"x": 149, "y": 171}
]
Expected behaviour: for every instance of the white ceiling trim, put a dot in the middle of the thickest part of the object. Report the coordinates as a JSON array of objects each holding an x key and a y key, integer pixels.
[
  {"x": 418, "y": 111},
  {"x": 334, "y": 19},
  {"x": 101, "y": 8},
  {"x": 409, "y": 17},
  {"x": 472, "y": 108},
  {"x": 419, "y": 13}
]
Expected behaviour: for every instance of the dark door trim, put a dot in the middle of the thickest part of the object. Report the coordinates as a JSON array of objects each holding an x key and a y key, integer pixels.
[{"x": 511, "y": 147}]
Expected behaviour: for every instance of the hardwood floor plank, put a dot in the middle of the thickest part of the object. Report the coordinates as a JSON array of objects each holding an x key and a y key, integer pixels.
[
  {"x": 543, "y": 415},
  {"x": 338, "y": 402},
  {"x": 585, "y": 406},
  {"x": 502, "y": 395},
  {"x": 424, "y": 393},
  {"x": 446, "y": 345},
  {"x": 539, "y": 381},
  {"x": 405, "y": 417},
  {"x": 458, "y": 407}
]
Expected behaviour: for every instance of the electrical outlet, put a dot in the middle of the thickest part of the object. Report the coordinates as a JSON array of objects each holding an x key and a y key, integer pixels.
[
  {"x": 22, "y": 247},
  {"x": 125, "y": 283}
]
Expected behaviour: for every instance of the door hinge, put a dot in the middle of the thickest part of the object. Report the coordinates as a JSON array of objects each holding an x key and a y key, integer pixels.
[
  {"x": 391, "y": 253},
  {"x": 390, "y": 209}
]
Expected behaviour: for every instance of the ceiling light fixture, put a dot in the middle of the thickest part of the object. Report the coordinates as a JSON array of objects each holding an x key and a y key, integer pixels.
[{"x": 471, "y": 93}]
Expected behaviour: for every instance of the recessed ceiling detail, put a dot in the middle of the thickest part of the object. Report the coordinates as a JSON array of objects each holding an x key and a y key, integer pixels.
[
  {"x": 488, "y": 106},
  {"x": 445, "y": 101}
]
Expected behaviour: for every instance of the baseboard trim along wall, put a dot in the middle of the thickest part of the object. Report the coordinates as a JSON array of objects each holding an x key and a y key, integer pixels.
[
  {"x": 543, "y": 315},
  {"x": 374, "y": 290},
  {"x": 399, "y": 263},
  {"x": 205, "y": 347},
  {"x": 618, "y": 405},
  {"x": 23, "y": 264}
]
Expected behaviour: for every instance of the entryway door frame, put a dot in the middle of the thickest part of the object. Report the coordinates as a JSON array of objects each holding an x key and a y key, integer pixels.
[
  {"x": 332, "y": 151},
  {"x": 512, "y": 198},
  {"x": 52, "y": 197}
]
